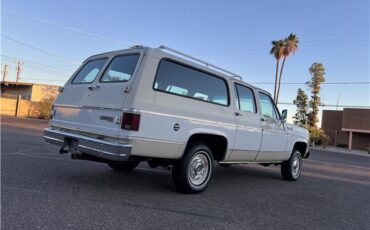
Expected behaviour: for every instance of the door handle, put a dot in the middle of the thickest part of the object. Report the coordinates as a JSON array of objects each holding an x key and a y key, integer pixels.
[
  {"x": 263, "y": 119},
  {"x": 93, "y": 87},
  {"x": 238, "y": 114}
]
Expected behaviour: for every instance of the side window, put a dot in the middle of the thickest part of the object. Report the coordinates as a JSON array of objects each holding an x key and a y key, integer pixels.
[
  {"x": 267, "y": 106},
  {"x": 89, "y": 71},
  {"x": 185, "y": 81},
  {"x": 121, "y": 68},
  {"x": 245, "y": 99}
]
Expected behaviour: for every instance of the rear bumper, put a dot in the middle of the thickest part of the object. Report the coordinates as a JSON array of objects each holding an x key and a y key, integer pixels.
[{"x": 79, "y": 144}]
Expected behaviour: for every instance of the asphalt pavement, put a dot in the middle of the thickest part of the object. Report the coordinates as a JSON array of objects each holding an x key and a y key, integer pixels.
[{"x": 41, "y": 189}]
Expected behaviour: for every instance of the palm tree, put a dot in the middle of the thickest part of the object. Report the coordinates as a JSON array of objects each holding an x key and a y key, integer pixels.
[
  {"x": 290, "y": 47},
  {"x": 278, "y": 51}
]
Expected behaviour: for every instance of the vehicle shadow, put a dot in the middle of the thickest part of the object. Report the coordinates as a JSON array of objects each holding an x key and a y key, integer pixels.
[{"x": 158, "y": 180}]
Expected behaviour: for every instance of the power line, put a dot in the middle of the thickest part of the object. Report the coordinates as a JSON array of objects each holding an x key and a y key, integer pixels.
[
  {"x": 39, "y": 79},
  {"x": 37, "y": 65},
  {"x": 7, "y": 57},
  {"x": 321, "y": 43},
  {"x": 305, "y": 83},
  {"x": 73, "y": 29},
  {"x": 44, "y": 70},
  {"x": 40, "y": 50},
  {"x": 328, "y": 105}
]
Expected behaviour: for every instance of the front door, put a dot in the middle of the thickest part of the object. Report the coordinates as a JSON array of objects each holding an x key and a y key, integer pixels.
[{"x": 274, "y": 138}]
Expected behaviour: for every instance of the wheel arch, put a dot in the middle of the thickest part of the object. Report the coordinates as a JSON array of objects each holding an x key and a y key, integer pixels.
[
  {"x": 217, "y": 142},
  {"x": 302, "y": 147}
]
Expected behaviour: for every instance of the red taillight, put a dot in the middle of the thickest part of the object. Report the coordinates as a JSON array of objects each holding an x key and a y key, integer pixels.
[{"x": 130, "y": 121}]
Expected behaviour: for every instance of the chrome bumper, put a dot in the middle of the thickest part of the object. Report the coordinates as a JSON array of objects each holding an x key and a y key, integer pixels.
[{"x": 79, "y": 144}]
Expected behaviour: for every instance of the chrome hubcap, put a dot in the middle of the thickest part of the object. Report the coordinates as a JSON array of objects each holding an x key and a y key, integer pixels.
[
  {"x": 296, "y": 166},
  {"x": 198, "y": 168}
]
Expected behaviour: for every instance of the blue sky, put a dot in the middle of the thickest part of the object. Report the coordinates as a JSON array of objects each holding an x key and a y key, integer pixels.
[{"x": 235, "y": 35}]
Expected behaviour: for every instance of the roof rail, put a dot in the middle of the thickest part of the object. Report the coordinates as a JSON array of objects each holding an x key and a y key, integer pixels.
[
  {"x": 136, "y": 46},
  {"x": 200, "y": 61}
]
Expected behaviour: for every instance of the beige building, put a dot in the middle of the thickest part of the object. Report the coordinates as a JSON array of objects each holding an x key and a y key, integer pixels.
[{"x": 28, "y": 91}]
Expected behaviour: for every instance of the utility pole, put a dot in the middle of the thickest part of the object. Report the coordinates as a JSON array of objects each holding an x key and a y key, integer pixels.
[
  {"x": 4, "y": 70},
  {"x": 18, "y": 70},
  {"x": 338, "y": 99}
]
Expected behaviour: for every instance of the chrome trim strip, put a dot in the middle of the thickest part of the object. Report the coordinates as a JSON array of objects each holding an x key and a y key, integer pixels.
[
  {"x": 77, "y": 136},
  {"x": 99, "y": 108},
  {"x": 85, "y": 107},
  {"x": 53, "y": 139},
  {"x": 110, "y": 150},
  {"x": 66, "y": 106},
  {"x": 102, "y": 151},
  {"x": 248, "y": 162},
  {"x": 187, "y": 118},
  {"x": 152, "y": 113},
  {"x": 156, "y": 140},
  {"x": 79, "y": 130}
]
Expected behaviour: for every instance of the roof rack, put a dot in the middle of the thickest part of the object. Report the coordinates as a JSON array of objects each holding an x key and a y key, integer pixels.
[
  {"x": 200, "y": 61},
  {"x": 136, "y": 46}
]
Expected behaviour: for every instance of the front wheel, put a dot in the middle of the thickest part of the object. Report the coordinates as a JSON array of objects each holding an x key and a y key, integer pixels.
[
  {"x": 291, "y": 169},
  {"x": 192, "y": 173}
]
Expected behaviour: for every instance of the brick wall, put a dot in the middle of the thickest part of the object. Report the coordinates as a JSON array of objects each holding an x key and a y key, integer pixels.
[
  {"x": 356, "y": 119},
  {"x": 334, "y": 121}
]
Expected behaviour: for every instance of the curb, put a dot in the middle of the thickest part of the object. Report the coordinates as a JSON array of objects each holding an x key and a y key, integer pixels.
[{"x": 344, "y": 151}]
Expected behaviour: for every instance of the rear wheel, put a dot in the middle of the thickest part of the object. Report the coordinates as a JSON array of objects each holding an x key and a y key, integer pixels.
[
  {"x": 125, "y": 166},
  {"x": 291, "y": 169},
  {"x": 192, "y": 173}
]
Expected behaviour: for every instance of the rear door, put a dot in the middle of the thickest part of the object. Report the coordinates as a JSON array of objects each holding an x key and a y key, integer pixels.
[
  {"x": 249, "y": 132},
  {"x": 93, "y": 98}
]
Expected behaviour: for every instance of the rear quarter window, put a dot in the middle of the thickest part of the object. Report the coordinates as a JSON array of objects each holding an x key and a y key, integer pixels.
[
  {"x": 89, "y": 71},
  {"x": 179, "y": 79}
]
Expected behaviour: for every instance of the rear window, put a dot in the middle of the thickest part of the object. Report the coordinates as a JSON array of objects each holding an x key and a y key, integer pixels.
[
  {"x": 89, "y": 71},
  {"x": 185, "y": 81},
  {"x": 121, "y": 68}
]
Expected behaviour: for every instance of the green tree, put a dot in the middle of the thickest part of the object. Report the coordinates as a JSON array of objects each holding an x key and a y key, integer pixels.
[
  {"x": 289, "y": 48},
  {"x": 317, "y": 72},
  {"x": 301, "y": 116}
]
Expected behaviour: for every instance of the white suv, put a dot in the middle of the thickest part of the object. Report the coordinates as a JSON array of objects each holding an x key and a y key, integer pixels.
[{"x": 170, "y": 109}]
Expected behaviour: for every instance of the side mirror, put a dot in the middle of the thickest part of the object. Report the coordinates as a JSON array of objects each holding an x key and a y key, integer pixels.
[{"x": 284, "y": 114}]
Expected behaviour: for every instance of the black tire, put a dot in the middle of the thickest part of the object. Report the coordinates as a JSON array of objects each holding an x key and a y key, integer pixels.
[
  {"x": 291, "y": 169},
  {"x": 125, "y": 166},
  {"x": 188, "y": 179}
]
